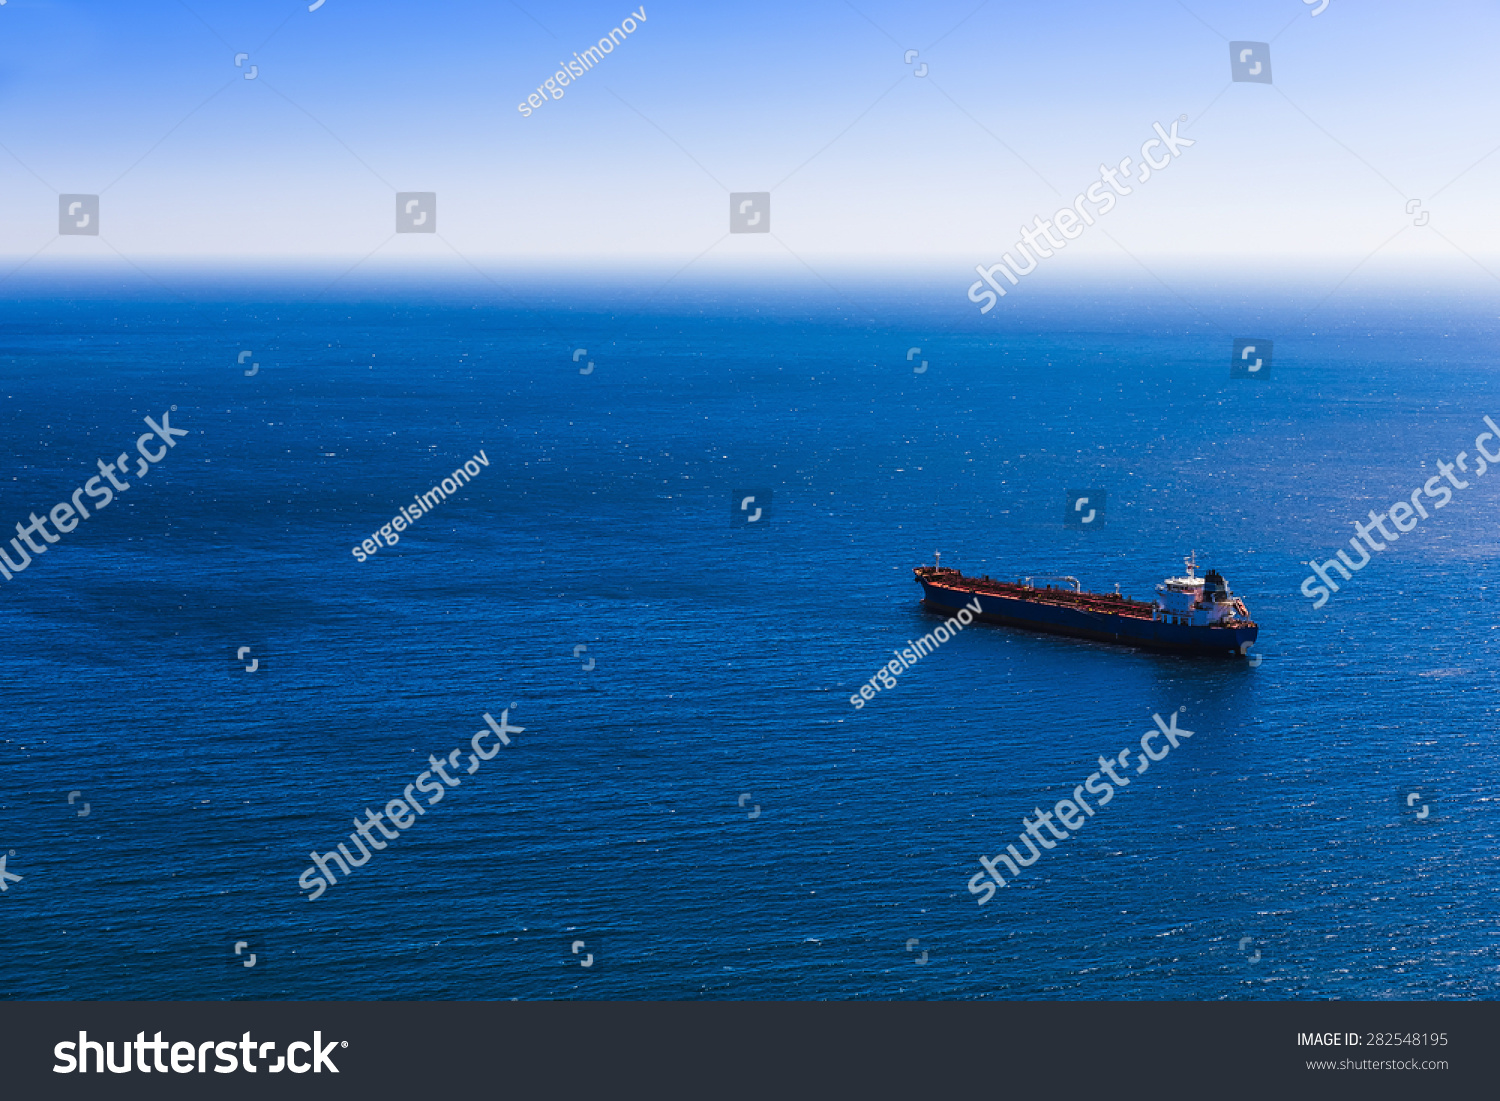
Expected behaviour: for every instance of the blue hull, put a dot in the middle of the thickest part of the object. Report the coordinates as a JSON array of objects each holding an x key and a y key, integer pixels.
[{"x": 1099, "y": 626}]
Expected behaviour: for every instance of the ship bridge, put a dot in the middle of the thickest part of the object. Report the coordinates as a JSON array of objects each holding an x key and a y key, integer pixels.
[{"x": 1197, "y": 601}]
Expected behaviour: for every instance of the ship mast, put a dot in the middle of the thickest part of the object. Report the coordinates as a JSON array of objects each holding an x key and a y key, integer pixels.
[
  {"x": 1191, "y": 562},
  {"x": 938, "y": 555}
]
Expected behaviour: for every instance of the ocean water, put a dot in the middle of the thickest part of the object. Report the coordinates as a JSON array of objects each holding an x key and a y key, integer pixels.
[{"x": 693, "y": 797}]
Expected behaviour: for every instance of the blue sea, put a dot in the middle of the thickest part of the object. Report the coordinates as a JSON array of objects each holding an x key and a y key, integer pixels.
[{"x": 694, "y": 809}]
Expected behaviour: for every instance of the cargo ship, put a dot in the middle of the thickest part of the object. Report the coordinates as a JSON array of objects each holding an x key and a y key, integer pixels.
[{"x": 1191, "y": 614}]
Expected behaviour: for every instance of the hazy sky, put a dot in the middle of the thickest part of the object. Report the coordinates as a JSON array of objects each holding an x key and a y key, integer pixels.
[{"x": 1374, "y": 105}]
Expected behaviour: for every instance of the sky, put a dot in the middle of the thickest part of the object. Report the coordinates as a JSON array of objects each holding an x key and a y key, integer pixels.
[{"x": 1376, "y": 107}]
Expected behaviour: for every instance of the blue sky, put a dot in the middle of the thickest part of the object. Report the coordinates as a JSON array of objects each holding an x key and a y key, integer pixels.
[{"x": 1374, "y": 105}]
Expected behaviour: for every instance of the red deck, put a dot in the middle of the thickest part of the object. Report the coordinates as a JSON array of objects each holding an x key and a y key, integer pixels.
[{"x": 1107, "y": 603}]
